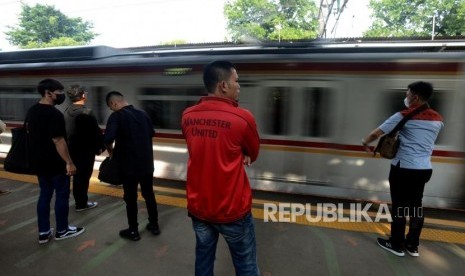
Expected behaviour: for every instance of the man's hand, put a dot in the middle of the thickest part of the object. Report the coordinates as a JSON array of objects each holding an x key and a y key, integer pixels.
[
  {"x": 70, "y": 169},
  {"x": 247, "y": 160}
]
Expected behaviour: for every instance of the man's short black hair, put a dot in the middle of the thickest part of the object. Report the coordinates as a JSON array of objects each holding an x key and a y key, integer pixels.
[
  {"x": 423, "y": 89},
  {"x": 50, "y": 85},
  {"x": 113, "y": 94},
  {"x": 216, "y": 71},
  {"x": 76, "y": 92}
]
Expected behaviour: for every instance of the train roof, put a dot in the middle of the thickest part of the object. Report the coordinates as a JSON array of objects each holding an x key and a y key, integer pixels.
[
  {"x": 350, "y": 45},
  {"x": 58, "y": 54}
]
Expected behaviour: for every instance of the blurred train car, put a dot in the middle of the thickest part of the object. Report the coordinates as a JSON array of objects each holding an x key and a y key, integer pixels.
[{"x": 313, "y": 103}]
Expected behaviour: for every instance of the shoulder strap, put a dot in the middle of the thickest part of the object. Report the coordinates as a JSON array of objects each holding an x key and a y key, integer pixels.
[{"x": 408, "y": 117}]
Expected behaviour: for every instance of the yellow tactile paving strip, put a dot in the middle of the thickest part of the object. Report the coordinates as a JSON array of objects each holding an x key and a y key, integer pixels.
[{"x": 258, "y": 213}]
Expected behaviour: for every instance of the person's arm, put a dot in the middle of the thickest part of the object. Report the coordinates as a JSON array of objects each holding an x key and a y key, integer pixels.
[
  {"x": 2, "y": 126},
  {"x": 251, "y": 141},
  {"x": 373, "y": 136},
  {"x": 94, "y": 134},
  {"x": 62, "y": 149},
  {"x": 109, "y": 148},
  {"x": 2, "y": 129},
  {"x": 110, "y": 133},
  {"x": 247, "y": 161}
]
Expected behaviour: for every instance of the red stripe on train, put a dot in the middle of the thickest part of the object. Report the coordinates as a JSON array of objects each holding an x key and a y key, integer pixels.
[
  {"x": 442, "y": 67},
  {"x": 320, "y": 145},
  {"x": 306, "y": 144}
]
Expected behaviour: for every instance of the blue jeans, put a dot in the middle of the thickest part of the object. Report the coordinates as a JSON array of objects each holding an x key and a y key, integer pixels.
[
  {"x": 240, "y": 237},
  {"x": 49, "y": 184}
]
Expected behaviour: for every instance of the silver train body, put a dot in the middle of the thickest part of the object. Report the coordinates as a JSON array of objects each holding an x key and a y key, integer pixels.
[{"x": 312, "y": 103}]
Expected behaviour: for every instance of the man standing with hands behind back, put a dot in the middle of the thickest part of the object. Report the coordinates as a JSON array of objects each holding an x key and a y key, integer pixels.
[
  {"x": 221, "y": 138},
  {"x": 85, "y": 139}
]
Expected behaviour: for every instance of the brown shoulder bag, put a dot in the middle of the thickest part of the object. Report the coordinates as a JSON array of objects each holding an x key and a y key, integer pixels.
[{"x": 388, "y": 144}]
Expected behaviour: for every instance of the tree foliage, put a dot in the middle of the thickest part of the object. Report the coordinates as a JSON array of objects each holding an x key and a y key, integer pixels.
[
  {"x": 44, "y": 26},
  {"x": 271, "y": 19},
  {"x": 394, "y": 18},
  {"x": 175, "y": 42}
]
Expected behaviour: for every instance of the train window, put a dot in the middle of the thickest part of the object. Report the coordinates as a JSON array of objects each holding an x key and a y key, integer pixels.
[
  {"x": 97, "y": 102},
  {"x": 395, "y": 99},
  {"x": 316, "y": 112},
  {"x": 165, "y": 105},
  {"x": 297, "y": 110},
  {"x": 439, "y": 102},
  {"x": 276, "y": 111},
  {"x": 15, "y": 102}
]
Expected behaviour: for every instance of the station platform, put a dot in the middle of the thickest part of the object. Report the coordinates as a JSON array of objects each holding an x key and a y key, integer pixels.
[{"x": 300, "y": 247}]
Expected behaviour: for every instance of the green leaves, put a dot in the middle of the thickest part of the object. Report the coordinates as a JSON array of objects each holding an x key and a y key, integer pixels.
[
  {"x": 272, "y": 19},
  {"x": 44, "y": 26},
  {"x": 395, "y": 18}
]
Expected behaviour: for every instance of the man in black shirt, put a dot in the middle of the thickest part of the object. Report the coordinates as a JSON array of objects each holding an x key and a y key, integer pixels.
[
  {"x": 132, "y": 131},
  {"x": 51, "y": 161}
]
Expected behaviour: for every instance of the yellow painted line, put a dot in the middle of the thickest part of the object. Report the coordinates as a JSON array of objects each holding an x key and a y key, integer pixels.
[
  {"x": 375, "y": 227},
  {"x": 117, "y": 191},
  {"x": 452, "y": 223},
  {"x": 18, "y": 177},
  {"x": 347, "y": 213},
  {"x": 459, "y": 161},
  {"x": 258, "y": 213}
]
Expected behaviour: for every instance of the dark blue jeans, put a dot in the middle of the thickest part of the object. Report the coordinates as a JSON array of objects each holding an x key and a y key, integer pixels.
[
  {"x": 407, "y": 187},
  {"x": 60, "y": 185},
  {"x": 240, "y": 237}
]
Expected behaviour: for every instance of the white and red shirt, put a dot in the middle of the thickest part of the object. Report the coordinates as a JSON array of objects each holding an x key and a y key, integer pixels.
[{"x": 417, "y": 137}]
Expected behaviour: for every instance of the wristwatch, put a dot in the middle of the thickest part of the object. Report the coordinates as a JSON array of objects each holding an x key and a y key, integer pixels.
[{"x": 364, "y": 143}]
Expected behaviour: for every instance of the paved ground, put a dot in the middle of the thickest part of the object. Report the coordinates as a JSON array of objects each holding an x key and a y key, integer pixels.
[{"x": 283, "y": 248}]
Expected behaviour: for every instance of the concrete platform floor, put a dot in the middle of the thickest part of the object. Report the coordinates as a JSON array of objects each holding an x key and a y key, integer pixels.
[{"x": 283, "y": 248}]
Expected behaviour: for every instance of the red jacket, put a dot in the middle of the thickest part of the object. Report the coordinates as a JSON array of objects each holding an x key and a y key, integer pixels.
[{"x": 219, "y": 134}]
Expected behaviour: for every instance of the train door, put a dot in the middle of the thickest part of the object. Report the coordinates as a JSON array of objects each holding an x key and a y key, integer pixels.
[
  {"x": 165, "y": 105},
  {"x": 296, "y": 120}
]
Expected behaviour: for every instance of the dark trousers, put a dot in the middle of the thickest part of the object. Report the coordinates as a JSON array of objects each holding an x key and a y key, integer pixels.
[
  {"x": 130, "y": 197},
  {"x": 407, "y": 187},
  {"x": 48, "y": 185},
  {"x": 85, "y": 165}
]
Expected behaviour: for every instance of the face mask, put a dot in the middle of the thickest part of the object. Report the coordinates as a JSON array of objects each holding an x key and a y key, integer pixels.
[
  {"x": 60, "y": 98},
  {"x": 406, "y": 102}
]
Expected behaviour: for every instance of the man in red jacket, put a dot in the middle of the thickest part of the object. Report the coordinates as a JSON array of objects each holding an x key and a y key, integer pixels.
[{"x": 221, "y": 138}]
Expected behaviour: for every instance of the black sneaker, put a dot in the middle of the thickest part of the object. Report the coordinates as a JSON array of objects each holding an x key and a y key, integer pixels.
[
  {"x": 45, "y": 237},
  {"x": 154, "y": 228},
  {"x": 129, "y": 234},
  {"x": 387, "y": 245},
  {"x": 412, "y": 250},
  {"x": 72, "y": 231},
  {"x": 89, "y": 205}
]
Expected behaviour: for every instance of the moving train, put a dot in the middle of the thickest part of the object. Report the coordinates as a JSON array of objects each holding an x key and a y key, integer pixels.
[{"x": 313, "y": 102}]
